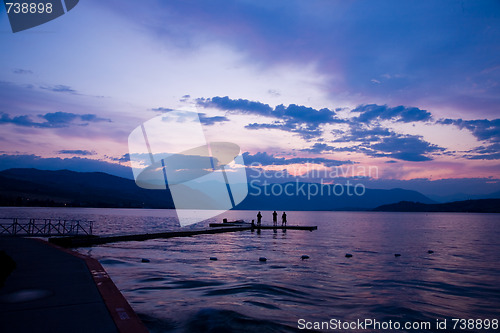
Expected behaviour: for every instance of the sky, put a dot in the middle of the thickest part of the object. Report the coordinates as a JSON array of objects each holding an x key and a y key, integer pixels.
[{"x": 410, "y": 88}]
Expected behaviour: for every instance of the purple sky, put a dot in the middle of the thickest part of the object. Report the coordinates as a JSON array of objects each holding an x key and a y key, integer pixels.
[{"x": 411, "y": 87}]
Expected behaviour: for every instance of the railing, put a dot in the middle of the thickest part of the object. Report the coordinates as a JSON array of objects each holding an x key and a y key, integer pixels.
[{"x": 44, "y": 227}]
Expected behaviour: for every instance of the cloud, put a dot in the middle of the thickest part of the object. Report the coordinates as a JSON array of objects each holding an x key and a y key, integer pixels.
[
  {"x": 264, "y": 159},
  {"x": 299, "y": 119},
  {"x": 243, "y": 106},
  {"x": 292, "y": 112},
  {"x": 303, "y": 114},
  {"x": 61, "y": 88},
  {"x": 307, "y": 132},
  {"x": 52, "y": 120},
  {"x": 386, "y": 43},
  {"x": 22, "y": 71},
  {"x": 409, "y": 148},
  {"x": 124, "y": 158},
  {"x": 483, "y": 130},
  {"x": 319, "y": 148},
  {"x": 400, "y": 113},
  {"x": 403, "y": 147},
  {"x": 162, "y": 109},
  {"x": 204, "y": 119},
  {"x": 185, "y": 98},
  {"x": 211, "y": 120},
  {"x": 491, "y": 152},
  {"x": 358, "y": 133},
  {"x": 57, "y": 163},
  {"x": 76, "y": 152}
]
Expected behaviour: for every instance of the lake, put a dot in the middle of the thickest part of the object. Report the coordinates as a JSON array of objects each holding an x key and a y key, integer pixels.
[{"x": 182, "y": 290}]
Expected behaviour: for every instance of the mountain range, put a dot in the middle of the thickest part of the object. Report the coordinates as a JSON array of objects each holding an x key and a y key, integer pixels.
[
  {"x": 33, "y": 187},
  {"x": 465, "y": 206}
]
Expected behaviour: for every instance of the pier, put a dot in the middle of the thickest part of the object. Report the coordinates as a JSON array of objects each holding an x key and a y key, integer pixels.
[
  {"x": 56, "y": 290},
  {"x": 44, "y": 227},
  {"x": 83, "y": 241}
]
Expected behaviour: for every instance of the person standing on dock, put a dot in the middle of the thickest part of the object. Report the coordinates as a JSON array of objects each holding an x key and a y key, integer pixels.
[
  {"x": 275, "y": 219},
  {"x": 259, "y": 219},
  {"x": 283, "y": 219}
]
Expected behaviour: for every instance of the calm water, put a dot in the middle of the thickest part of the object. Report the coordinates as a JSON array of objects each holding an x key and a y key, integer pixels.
[{"x": 181, "y": 290}]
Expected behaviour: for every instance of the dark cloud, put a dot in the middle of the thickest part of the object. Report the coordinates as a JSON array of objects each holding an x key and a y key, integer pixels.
[
  {"x": 400, "y": 113},
  {"x": 124, "y": 158},
  {"x": 76, "y": 152},
  {"x": 22, "y": 71},
  {"x": 58, "y": 119},
  {"x": 243, "y": 106},
  {"x": 418, "y": 51},
  {"x": 491, "y": 152},
  {"x": 359, "y": 133},
  {"x": 320, "y": 147},
  {"x": 93, "y": 118},
  {"x": 264, "y": 159},
  {"x": 397, "y": 146},
  {"x": 299, "y": 119},
  {"x": 292, "y": 113},
  {"x": 403, "y": 147},
  {"x": 483, "y": 130},
  {"x": 56, "y": 163},
  {"x": 305, "y": 131},
  {"x": 162, "y": 109},
  {"x": 377, "y": 141},
  {"x": 60, "y": 88},
  {"x": 52, "y": 120},
  {"x": 304, "y": 114},
  {"x": 211, "y": 120}
]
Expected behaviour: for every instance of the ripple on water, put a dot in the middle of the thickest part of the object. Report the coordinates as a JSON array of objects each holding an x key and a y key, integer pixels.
[{"x": 257, "y": 289}]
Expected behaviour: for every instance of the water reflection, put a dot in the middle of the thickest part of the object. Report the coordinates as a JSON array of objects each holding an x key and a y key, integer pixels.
[{"x": 459, "y": 280}]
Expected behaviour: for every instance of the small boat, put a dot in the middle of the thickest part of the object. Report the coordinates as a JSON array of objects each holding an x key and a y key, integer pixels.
[{"x": 226, "y": 223}]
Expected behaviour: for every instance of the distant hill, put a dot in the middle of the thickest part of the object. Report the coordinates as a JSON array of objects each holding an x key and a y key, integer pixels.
[
  {"x": 467, "y": 206},
  {"x": 347, "y": 201},
  {"x": 464, "y": 197},
  {"x": 33, "y": 187}
]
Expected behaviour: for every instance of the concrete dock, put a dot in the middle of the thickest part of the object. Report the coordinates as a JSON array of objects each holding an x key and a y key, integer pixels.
[
  {"x": 82, "y": 241},
  {"x": 56, "y": 290}
]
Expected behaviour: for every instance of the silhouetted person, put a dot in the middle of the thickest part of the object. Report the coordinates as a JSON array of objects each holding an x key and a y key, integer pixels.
[
  {"x": 259, "y": 219},
  {"x": 283, "y": 219},
  {"x": 275, "y": 219}
]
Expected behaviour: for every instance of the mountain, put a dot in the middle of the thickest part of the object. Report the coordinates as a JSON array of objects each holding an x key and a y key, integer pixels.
[
  {"x": 33, "y": 187},
  {"x": 332, "y": 197},
  {"x": 464, "y": 197},
  {"x": 467, "y": 206}
]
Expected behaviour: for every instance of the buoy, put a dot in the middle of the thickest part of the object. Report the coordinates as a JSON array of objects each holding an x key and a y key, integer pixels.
[
  {"x": 397, "y": 255},
  {"x": 145, "y": 260},
  {"x": 262, "y": 259},
  {"x": 304, "y": 257},
  {"x": 213, "y": 258},
  {"x": 348, "y": 255},
  {"x": 430, "y": 251}
]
